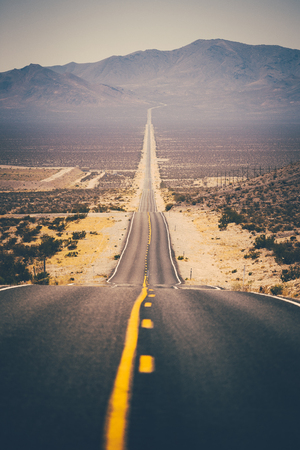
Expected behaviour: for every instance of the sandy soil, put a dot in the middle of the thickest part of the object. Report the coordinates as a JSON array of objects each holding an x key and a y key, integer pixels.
[
  {"x": 95, "y": 260},
  {"x": 37, "y": 178},
  {"x": 45, "y": 179},
  {"x": 216, "y": 258},
  {"x": 58, "y": 174}
]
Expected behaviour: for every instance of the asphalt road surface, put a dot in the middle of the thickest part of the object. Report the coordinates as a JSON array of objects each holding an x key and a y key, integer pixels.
[{"x": 205, "y": 368}]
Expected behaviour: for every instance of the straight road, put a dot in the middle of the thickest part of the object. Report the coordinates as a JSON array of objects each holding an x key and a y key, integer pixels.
[
  {"x": 147, "y": 363},
  {"x": 141, "y": 258}
]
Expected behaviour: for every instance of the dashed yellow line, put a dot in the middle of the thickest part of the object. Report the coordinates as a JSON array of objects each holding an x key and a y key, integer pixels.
[
  {"x": 149, "y": 224},
  {"x": 148, "y": 304},
  {"x": 147, "y": 364},
  {"x": 147, "y": 323}
]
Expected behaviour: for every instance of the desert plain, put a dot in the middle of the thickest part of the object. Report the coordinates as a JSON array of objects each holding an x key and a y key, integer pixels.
[{"x": 205, "y": 254}]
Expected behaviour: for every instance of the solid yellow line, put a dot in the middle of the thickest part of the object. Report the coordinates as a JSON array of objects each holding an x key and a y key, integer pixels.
[
  {"x": 118, "y": 407},
  {"x": 147, "y": 364}
]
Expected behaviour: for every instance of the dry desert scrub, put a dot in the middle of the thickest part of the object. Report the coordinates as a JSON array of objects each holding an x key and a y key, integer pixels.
[
  {"x": 216, "y": 256},
  {"x": 95, "y": 253}
]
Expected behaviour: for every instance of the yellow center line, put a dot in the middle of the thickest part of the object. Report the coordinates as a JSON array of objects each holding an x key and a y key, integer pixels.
[
  {"x": 118, "y": 407},
  {"x": 149, "y": 221},
  {"x": 119, "y": 402}
]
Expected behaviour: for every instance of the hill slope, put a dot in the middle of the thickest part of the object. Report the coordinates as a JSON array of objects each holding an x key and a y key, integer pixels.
[{"x": 37, "y": 85}]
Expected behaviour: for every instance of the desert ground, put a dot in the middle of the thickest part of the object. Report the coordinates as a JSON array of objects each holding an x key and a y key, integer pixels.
[
  {"x": 96, "y": 254},
  {"x": 205, "y": 255},
  {"x": 209, "y": 256}
]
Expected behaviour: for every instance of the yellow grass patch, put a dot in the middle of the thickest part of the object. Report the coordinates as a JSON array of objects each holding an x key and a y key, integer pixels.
[{"x": 64, "y": 270}]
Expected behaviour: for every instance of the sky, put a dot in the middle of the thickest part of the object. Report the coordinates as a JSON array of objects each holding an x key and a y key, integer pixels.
[{"x": 51, "y": 32}]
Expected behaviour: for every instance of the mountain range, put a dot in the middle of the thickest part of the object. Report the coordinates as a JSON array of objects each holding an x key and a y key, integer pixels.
[{"x": 216, "y": 78}]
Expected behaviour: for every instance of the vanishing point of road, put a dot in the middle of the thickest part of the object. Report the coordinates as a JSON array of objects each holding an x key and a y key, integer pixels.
[{"x": 147, "y": 363}]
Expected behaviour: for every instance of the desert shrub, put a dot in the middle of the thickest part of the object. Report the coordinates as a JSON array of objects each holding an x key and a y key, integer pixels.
[
  {"x": 116, "y": 208},
  {"x": 76, "y": 217},
  {"x": 13, "y": 271},
  {"x": 277, "y": 289},
  {"x": 252, "y": 254},
  {"x": 41, "y": 278},
  {"x": 28, "y": 236},
  {"x": 72, "y": 245},
  {"x": 229, "y": 216},
  {"x": 116, "y": 256},
  {"x": 57, "y": 224},
  {"x": 80, "y": 208},
  {"x": 179, "y": 197},
  {"x": 286, "y": 252},
  {"x": 100, "y": 208},
  {"x": 71, "y": 255},
  {"x": 264, "y": 242},
  {"x": 76, "y": 235},
  {"x": 25, "y": 251},
  {"x": 292, "y": 273},
  {"x": 49, "y": 246},
  {"x": 169, "y": 206},
  {"x": 29, "y": 219},
  {"x": 263, "y": 289},
  {"x": 11, "y": 243},
  {"x": 275, "y": 228},
  {"x": 180, "y": 258}
]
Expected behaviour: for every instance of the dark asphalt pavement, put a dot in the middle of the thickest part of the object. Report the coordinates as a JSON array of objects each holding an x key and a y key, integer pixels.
[
  {"x": 227, "y": 373},
  {"x": 227, "y": 366},
  {"x": 59, "y": 350}
]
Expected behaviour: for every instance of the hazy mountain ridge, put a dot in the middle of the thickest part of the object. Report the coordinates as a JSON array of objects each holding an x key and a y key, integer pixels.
[
  {"x": 35, "y": 84},
  {"x": 200, "y": 61},
  {"x": 215, "y": 77}
]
